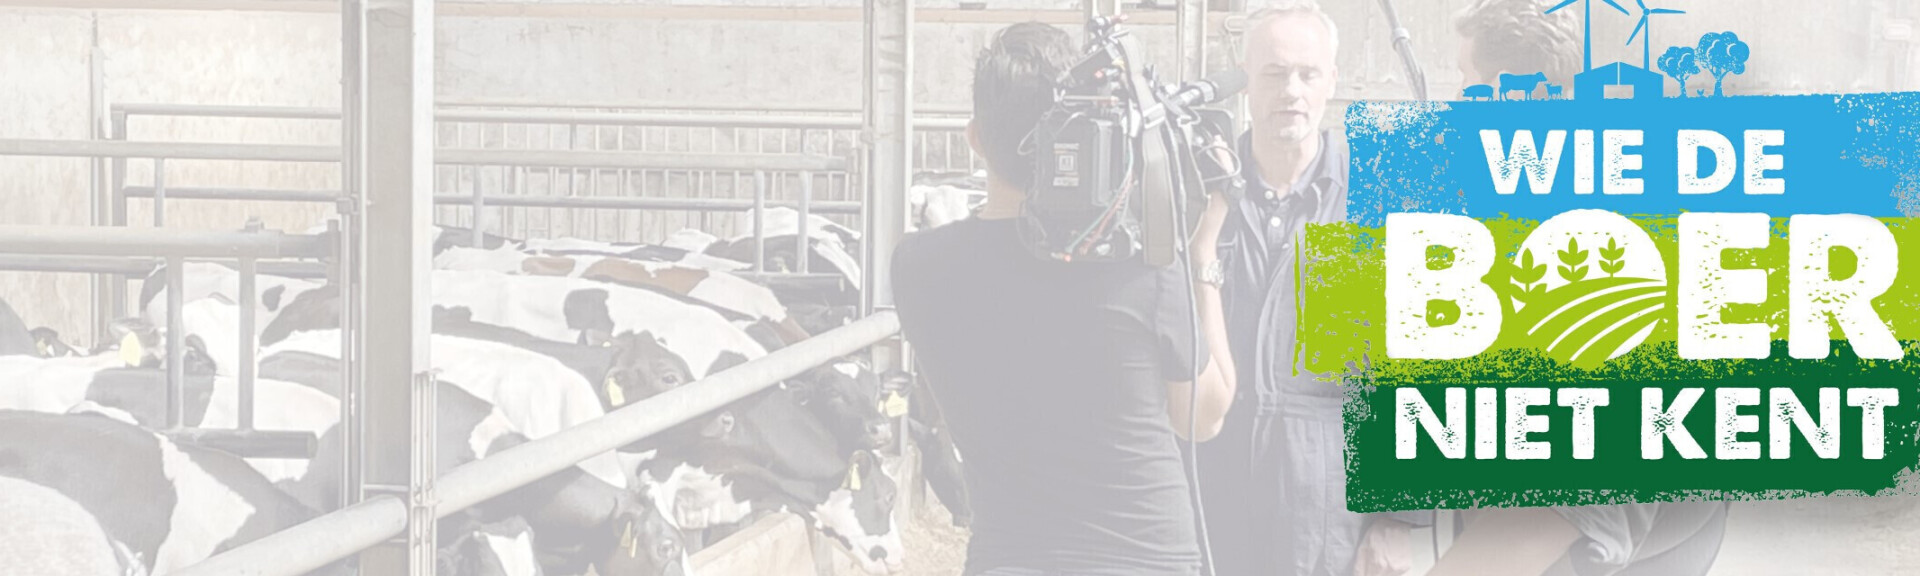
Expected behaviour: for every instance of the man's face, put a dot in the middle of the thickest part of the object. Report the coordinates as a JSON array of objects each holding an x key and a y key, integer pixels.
[{"x": 1290, "y": 76}]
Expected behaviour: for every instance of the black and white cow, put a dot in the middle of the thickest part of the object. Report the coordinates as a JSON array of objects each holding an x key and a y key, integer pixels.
[
  {"x": 775, "y": 453},
  {"x": 202, "y": 280},
  {"x": 576, "y": 310},
  {"x": 753, "y": 306},
  {"x": 940, "y": 461},
  {"x": 42, "y": 532},
  {"x": 170, "y": 505},
  {"x": 537, "y": 393},
  {"x": 55, "y": 385},
  {"x": 719, "y": 488},
  {"x": 575, "y": 517},
  {"x": 646, "y": 252},
  {"x": 846, "y": 395}
]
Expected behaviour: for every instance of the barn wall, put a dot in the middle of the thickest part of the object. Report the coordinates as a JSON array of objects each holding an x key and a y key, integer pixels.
[{"x": 271, "y": 53}]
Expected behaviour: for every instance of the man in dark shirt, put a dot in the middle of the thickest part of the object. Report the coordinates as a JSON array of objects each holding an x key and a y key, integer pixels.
[{"x": 1065, "y": 384}]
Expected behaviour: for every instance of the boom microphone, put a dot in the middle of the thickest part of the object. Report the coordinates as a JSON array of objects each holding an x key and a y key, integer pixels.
[{"x": 1203, "y": 91}]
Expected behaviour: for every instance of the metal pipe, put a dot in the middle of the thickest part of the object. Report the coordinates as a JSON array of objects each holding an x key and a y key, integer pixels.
[
  {"x": 311, "y": 545},
  {"x": 98, "y": 176},
  {"x": 513, "y": 200},
  {"x": 251, "y": 443},
  {"x": 248, "y": 303},
  {"x": 617, "y": 202},
  {"x": 170, "y": 150},
  {"x": 610, "y": 159},
  {"x": 80, "y": 240},
  {"x": 248, "y": 194},
  {"x": 138, "y": 265},
  {"x": 307, "y": 153},
  {"x": 479, "y": 202},
  {"x": 801, "y": 239},
  {"x": 336, "y": 535},
  {"x": 843, "y": 121},
  {"x": 176, "y": 350},
  {"x": 760, "y": 222},
  {"x": 500, "y": 473},
  {"x": 159, "y": 192}
]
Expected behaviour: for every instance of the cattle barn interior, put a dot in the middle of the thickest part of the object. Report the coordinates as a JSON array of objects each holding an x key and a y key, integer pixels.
[{"x": 406, "y": 287}]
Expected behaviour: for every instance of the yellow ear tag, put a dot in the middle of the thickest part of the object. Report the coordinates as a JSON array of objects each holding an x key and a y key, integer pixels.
[
  {"x": 614, "y": 395},
  {"x": 853, "y": 477},
  {"x": 894, "y": 406},
  {"x": 42, "y": 348},
  {"x": 627, "y": 541},
  {"x": 131, "y": 352}
]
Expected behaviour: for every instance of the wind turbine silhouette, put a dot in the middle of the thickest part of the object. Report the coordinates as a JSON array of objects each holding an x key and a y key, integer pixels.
[
  {"x": 1646, "y": 45},
  {"x": 1587, "y": 52}
]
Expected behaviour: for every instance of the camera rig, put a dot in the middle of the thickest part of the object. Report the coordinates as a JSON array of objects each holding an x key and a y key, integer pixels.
[{"x": 1119, "y": 162}]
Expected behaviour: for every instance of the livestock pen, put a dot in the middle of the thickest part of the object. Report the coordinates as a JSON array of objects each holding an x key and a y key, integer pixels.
[{"x": 392, "y": 486}]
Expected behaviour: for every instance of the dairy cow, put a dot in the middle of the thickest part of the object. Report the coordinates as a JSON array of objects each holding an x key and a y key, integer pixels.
[
  {"x": 575, "y": 516},
  {"x": 170, "y": 505},
  {"x": 55, "y": 385},
  {"x": 42, "y": 532},
  {"x": 588, "y": 312},
  {"x": 846, "y": 396},
  {"x": 537, "y": 393},
  {"x": 645, "y": 252},
  {"x": 202, "y": 280},
  {"x": 736, "y": 298}
]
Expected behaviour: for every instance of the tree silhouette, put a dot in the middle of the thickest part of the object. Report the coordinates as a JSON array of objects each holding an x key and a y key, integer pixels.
[
  {"x": 1680, "y": 63},
  {"x": 1722, "y": 53}
]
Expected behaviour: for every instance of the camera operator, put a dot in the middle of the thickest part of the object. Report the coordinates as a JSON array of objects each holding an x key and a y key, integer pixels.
[{"x": 1064, "y": 383}]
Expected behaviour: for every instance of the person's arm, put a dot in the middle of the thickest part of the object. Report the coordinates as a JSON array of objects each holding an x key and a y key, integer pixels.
[
  {"x": 1508, "y": 542},
  {"x": 1217, "y": 381}
]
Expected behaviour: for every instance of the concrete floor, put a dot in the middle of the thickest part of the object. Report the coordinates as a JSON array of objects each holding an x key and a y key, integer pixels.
[{"x": 1826, "y": 536}]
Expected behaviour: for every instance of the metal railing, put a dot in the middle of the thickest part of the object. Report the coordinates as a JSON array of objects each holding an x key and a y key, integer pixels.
[
  {"x": 341, "y": 533},
  {"x": 91, "y": 250},
  {"x": 940, "y": 147}
]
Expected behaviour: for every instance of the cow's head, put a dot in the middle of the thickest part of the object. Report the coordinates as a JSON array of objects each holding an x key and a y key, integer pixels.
[
  {"x": 469, "y": 545},
  {"x": 860, "y": 515},
  {"x": 586, "y": 311},
  {"x": 847, "y": 396},
  {"x": 642, "y": 367},
  {"x": 648, "y": 545},
  {"x": 47, "y": 343},
  {"x": 316, "y": 309},
  {"x": 137, "y": 341}
]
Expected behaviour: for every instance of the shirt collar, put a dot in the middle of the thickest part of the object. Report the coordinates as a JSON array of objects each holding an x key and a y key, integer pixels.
[{"x": 1317, "y": 180}]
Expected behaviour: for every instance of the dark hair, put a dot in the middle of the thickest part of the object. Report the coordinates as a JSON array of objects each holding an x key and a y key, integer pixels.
[
  {"x": 1013, "y": 86},
  {"x": 1518, "y": 36}
]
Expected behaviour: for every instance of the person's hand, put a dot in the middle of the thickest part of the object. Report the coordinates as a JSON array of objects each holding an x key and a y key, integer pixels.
[{"x": 1385, "y": 550}]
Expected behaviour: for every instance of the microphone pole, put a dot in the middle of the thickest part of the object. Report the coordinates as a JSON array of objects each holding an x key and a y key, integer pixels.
[{"x": 1403, "y": 43}]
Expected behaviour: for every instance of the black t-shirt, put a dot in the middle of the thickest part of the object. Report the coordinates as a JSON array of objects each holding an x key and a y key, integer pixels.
[{"x": 1052, "y": 377}]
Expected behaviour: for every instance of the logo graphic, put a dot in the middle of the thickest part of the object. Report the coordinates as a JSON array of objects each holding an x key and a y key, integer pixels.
[{"x": 1617, "y": 295}]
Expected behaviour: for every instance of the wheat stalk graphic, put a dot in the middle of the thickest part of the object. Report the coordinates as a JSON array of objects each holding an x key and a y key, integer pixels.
[{"x": 1586, "y": 320}]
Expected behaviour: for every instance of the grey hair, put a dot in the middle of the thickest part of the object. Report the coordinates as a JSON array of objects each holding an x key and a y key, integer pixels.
[{"x": 1278, "y": 8}]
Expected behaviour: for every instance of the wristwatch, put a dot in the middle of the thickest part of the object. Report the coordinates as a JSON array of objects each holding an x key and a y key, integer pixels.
[{"x": 1213, "y": 273}]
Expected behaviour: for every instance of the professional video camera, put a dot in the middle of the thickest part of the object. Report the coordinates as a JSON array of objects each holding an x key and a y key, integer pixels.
[{"x": 1121, "y": 161}]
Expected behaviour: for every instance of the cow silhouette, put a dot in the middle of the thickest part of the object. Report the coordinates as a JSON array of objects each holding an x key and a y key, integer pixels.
[
  {"x": 1526, "y": 83},
  {"x": 1477, "y": 92},
  {"x": 1553, "y": 91}
]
